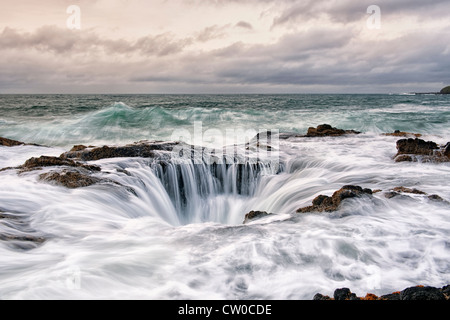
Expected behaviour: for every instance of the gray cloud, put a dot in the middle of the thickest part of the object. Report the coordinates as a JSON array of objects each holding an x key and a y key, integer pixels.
[
  {"x": 334, "y": 55},
  {"x": 244, "y": 25},
  {"x": 63, "y": 41}
]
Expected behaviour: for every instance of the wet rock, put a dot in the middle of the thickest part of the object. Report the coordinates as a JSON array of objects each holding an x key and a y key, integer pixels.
[
  {"x": 328, "y": 204},
  {"x": 408, "y": 190},
  {"x": 446, "y": 292},
  {"x": 416, "y": 146},
  {"x": 320, "y": 297},
  {"x": 413, "y": 293},
  {"x": 391, "y": 296},
  {"x": 44, "y": 161},
  {"x": 139, "y": 149},
  {"x": 344, "y": 294},
  {"x": 78, "y": 148},
  {"x": 422, "y": 293},
  {"x": 254, "y": 215},
  {"x": 398, "y": 133},
  {"x": 10, "y": 143},
  {"x": 447, "y": 150},
  {"x": 414, "y": 150},
  {"x": 325, "y": 130},
  {"x": 401, "y": 191},
  {"x": 69, "y": 178},
  {"x": 405, "y": 158},
  {"x": 26, "y": 238}
]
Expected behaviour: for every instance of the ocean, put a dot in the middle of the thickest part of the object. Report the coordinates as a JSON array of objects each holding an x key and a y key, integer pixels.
[{"x": 173, "y": 229}]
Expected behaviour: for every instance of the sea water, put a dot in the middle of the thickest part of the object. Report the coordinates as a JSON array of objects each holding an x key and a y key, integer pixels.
[{"x": 180, "y": 233}]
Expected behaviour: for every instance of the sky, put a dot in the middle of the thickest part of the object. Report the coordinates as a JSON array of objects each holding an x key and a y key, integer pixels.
[{"x": 224, "y": 46}]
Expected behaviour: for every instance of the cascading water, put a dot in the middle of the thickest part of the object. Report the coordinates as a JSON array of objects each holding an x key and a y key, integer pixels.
[
  {"x": 211, "y": 192},
  {"x": 167, "y": 228}
]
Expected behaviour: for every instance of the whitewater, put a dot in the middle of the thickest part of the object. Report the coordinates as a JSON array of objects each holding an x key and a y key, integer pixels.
[{"x": 174, "y": 229}]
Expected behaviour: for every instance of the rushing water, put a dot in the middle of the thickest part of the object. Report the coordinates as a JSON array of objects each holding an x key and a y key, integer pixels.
[{"x": 178, "y": 233}]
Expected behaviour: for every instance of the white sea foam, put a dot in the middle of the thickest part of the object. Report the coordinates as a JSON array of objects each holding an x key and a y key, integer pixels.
[{"x": 107, "y": 242}]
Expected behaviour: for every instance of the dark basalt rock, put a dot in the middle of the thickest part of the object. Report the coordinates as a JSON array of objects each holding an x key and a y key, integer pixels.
[
  {"x": 325, "y": 130},
  {"x": 344, "y": 294},
  {"x": 414, "y": 150},
  {"x": 416, "y": 146},
  {"x": 69, "y": 178},
  {"x": 399, "y": 191},
  {"x": 320, "y": 297},
  {"x": 254, "y": 215},
  {"x": 139, "y": 149},
  {"x": 10, "y": 143},
  {"x": 398, "y": 133},
  {"x": 44, "y": 161},
  {"x": 328, "y": 204},
  {"x": 413, "y": 293},
  {"x": 422, "y": 293}
]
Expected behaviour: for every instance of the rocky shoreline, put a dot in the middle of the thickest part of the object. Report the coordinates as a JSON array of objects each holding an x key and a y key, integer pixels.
[
  {"x": 412, "y": 293},
  {"x": 71, "y": 170}
]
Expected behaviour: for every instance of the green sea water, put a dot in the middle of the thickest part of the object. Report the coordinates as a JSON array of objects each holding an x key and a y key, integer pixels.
[{"x": 64, "y": 120}]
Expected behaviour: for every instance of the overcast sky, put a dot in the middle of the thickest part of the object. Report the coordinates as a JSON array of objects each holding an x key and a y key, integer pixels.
[{"x": 224, "y": 46}]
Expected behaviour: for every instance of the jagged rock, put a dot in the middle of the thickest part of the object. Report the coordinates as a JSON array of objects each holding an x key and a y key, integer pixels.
[
  {"x": 422, "y": 293},
  {"x": 414, "y": 150},
  {"x": 398, "y": 133},
  {"x": 413, "y": 293},
  {"x": 328, "y": 204},
  {"x": 408, "y": 190},
  {"x": 79, "y": 147},
  {"x": 69, "y": 179},
  {"x": 402, "y": 190},
  {"x": 10, "y": 143},
  {"x": 447, "y": 150},
  {"x": 416, "y": 146},
  {"x": 44, "y": 161},
  {"x": 344, "y": 294},
  {"x": 326, "y": 130},
  {"x": 254, "y": 215},
  {"x": 139, "y": 149},
  {"x": 392, "y": 296},
  {"x": 405, "y": 158},
  {"x": 320, "y": 297}
]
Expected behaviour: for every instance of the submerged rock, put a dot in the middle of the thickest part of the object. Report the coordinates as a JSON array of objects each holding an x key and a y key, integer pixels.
[
  {"x": 414, "y": 150},
  {"x": 254, "y": 215},
  {"x": 402, "y": 190},
  {"x": 26, "y": 238},
  {"x": 398, "y": 133},
  {"x": 413, "y": 293},
  {"x": 69, "y": 178},
  {"x": 325, "y": 130},
  {"x": 328, "y": 204}
]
